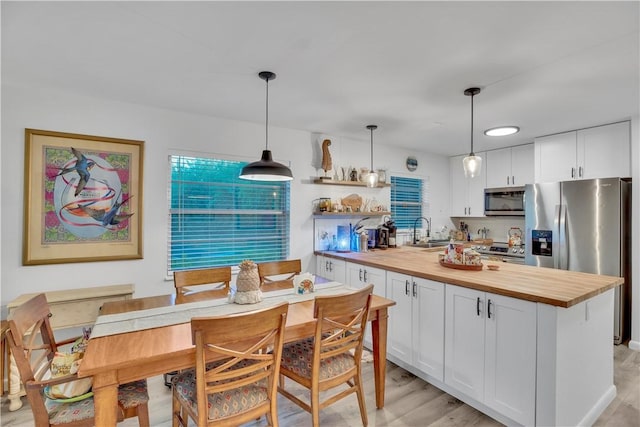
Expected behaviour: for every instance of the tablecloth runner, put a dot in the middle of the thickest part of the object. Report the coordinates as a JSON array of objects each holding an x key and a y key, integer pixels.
[{"x": 131, "y": 321}]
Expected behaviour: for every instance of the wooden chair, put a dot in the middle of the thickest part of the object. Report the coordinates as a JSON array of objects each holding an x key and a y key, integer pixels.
[
  {"x": 33, "y": 346},
  {"x": 185, "y": 281},
  {"x": 241, "y": 385},
  {"x": 332, "y": 357},
  {"x": 278, "y": 273}
]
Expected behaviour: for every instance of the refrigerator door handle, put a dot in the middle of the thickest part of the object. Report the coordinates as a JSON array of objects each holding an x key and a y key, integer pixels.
[
  {"x": 564, "y": 250},
  {"x": 555, "y": 243}
]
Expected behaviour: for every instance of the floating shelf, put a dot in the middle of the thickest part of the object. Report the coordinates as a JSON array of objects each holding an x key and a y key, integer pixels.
[
  {"x": 348, "y": 214},
  {"x": 347, "y": 183}
]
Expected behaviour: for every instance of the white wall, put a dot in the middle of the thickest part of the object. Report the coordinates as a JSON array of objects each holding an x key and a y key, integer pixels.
[
  {"x": 635, "y": 230},
  {"x": 167, "y": 132}
]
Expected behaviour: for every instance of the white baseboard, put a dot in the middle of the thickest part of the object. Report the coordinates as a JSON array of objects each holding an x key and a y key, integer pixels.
[
  {"x": 634, "y": 345},
  {"x": 592, "y": 416}
]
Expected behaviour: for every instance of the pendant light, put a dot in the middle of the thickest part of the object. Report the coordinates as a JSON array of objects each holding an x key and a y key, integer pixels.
[
  {"x": 472, "y": 163},
  {"x": 372, "y": 177},
  {"x": 266, "y": 169}
]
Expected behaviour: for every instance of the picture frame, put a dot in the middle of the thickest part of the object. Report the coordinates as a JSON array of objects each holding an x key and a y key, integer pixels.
[{"x": 82, "y": 198}]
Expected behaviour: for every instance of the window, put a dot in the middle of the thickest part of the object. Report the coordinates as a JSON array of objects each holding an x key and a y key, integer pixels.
[
  {"x": 408, "y": 201},
  {"x": 217, "y": 219}
]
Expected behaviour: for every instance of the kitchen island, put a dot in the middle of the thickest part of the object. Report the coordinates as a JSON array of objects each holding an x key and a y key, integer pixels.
[{"x": 525, "y": 345}]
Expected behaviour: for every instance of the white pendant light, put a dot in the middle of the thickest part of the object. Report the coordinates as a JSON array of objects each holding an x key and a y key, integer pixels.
[
  {"x": 372, "y": 177},
  {"x": 472, "y": 163},
  {"x": 502, "y": 131},
  {"x": 266, "y": 169}
]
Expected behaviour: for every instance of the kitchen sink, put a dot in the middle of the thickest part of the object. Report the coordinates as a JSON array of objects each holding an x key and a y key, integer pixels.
[{"x": 429, "y": 244}]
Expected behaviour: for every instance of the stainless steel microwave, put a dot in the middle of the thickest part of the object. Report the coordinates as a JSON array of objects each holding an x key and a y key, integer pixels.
[{"x": 504, "y": 201}]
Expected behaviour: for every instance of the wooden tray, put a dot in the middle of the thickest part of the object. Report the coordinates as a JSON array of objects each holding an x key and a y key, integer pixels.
[{"x": 461, "y": 266}]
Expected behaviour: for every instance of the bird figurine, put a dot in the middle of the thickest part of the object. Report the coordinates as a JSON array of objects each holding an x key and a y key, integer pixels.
[
  {"x": 110, "y": 216},
  {"x": 326, "y": 156},
  {"x": 82, "y": 168}
]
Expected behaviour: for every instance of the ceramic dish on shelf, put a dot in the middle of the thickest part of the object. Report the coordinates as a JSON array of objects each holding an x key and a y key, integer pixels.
[{"x": 70, "y": 399}]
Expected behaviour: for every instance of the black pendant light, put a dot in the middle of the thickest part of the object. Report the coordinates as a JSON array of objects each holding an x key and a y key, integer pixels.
[
  {"x": 472, "y": 163},
  {"x": 372, "y": 176},
  {"x": 266, "y": 169}
]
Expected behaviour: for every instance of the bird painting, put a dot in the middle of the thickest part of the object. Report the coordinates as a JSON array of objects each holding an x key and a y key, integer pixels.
[
  {"x": 110, "y": 216},
  {"x": 82, "y": 167}
]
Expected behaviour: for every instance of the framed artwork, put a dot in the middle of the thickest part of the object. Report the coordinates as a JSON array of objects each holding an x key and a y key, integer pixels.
[{"x": 83, "y": 198}]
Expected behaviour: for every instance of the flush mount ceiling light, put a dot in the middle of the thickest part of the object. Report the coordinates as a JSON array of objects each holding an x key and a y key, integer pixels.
[
  {"x": 372, "y": 177},
  {"x": 502, "y": 131},
  {"x": 266, "y": 169},
  {"x": 472, "y": 163}
]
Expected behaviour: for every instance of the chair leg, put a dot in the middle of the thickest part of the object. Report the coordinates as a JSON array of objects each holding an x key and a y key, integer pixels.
[
  {"x": 175, "y": 413},
  {"x": 143, "y": 415},
  {"x": 315, "y": 406},
  {"x": 360, "y": 394}
]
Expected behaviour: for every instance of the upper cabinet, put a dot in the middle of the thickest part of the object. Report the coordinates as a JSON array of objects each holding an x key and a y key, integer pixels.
[
  {"x": 510, "y": 167},
  {"x": 598, "y": 152},
  {"x": 467, "y": 194}
]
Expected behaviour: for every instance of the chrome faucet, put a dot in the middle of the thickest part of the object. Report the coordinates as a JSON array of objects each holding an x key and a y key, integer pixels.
[{"x": 415, "y": 238}]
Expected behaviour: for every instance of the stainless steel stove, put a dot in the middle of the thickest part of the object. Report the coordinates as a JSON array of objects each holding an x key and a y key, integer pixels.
[{"x": 501, "y": 252}]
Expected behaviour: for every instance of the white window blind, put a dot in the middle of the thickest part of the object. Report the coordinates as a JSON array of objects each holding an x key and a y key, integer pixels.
[
  {"x": 217, "y": 219},
  {"x": 408, "y": 201}
]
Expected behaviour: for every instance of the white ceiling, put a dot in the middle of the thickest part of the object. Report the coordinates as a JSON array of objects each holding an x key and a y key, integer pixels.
[{"x": 544, "y": 66}]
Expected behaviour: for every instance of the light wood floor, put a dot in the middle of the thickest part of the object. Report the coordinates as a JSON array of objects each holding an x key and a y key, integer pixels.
[{"x": 409, "y": 402}]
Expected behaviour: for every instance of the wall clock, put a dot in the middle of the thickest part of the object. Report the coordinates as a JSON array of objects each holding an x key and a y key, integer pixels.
[{"x": 412, "y": 163}]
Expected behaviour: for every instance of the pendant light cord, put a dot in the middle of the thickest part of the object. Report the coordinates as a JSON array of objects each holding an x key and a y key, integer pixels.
[
  {"x": 371, "y": 170},
  {"x": 472, "y": 153},
  {"x": 266, "y": 126}
]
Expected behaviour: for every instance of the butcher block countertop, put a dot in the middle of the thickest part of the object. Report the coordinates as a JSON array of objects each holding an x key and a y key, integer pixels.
[{"x": 545, "y": 285}]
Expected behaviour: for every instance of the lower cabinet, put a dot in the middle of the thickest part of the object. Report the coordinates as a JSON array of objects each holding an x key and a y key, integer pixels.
[
  {"x": 359, "y": 276},
  {"x": 490, "y": 350},
  {"x": 331, "y": 268},
  {"x": 416, "y": 322}
]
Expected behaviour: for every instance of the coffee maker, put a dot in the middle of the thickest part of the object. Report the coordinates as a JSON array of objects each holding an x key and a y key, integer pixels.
[
  {"x": 382, "y": 240},
  {"x": 391, "y": 226}
]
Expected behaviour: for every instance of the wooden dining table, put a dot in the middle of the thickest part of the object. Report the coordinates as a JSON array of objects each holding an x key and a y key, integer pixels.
[{"x": 124, "y": 357}]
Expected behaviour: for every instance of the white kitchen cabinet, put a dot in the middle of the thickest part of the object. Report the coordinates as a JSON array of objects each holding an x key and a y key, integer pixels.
[
  {"x": 331, "y": 268},
  {"x": 359, "y": 276},
  {"x": 510, "y": 167},
  {"x": 467, "y": 194},
  {"x": 416, "y": 323},
  {"x": 598, "y": 152},
  {"x": 490, "y": 350}
]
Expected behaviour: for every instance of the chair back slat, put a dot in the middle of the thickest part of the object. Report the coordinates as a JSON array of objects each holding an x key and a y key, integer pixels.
[
  {"x": 33, "y": 346},
  {"x": 341, "y": 321},
  {"x": 187, "y": 282},
  {"x": 278, "y": 271},
  {"x": 230, "y": 353}
]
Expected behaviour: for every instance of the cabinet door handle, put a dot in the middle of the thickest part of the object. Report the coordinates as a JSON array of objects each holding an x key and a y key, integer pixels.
[
  {"x": 489, "y": 309},
  {"x": 580, "y": 172},
  {"x": 415, "y": 290},
  {"x": 573, "y": 172},
  {"x": 507, "y": 179},
  {"x": 360, "y": 275},
  {"x": 365, "y": 275},
  {"x": 478, "y": 306},
  {"x": 326, "y": 265},
  {"x": 513, "y": 180},
  {"x": 406, "y": 287},
  {"x": 330, "y": 265},
  {"x": 469, "y": 210}
]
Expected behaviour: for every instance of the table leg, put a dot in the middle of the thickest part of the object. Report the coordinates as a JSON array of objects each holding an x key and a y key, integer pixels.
[
  {"x": 105, "y": 398},
  {"x": 379, "y": 336}
]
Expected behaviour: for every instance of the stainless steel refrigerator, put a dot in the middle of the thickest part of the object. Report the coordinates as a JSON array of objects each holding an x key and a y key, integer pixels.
[{"x": 583, "y": 226}]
